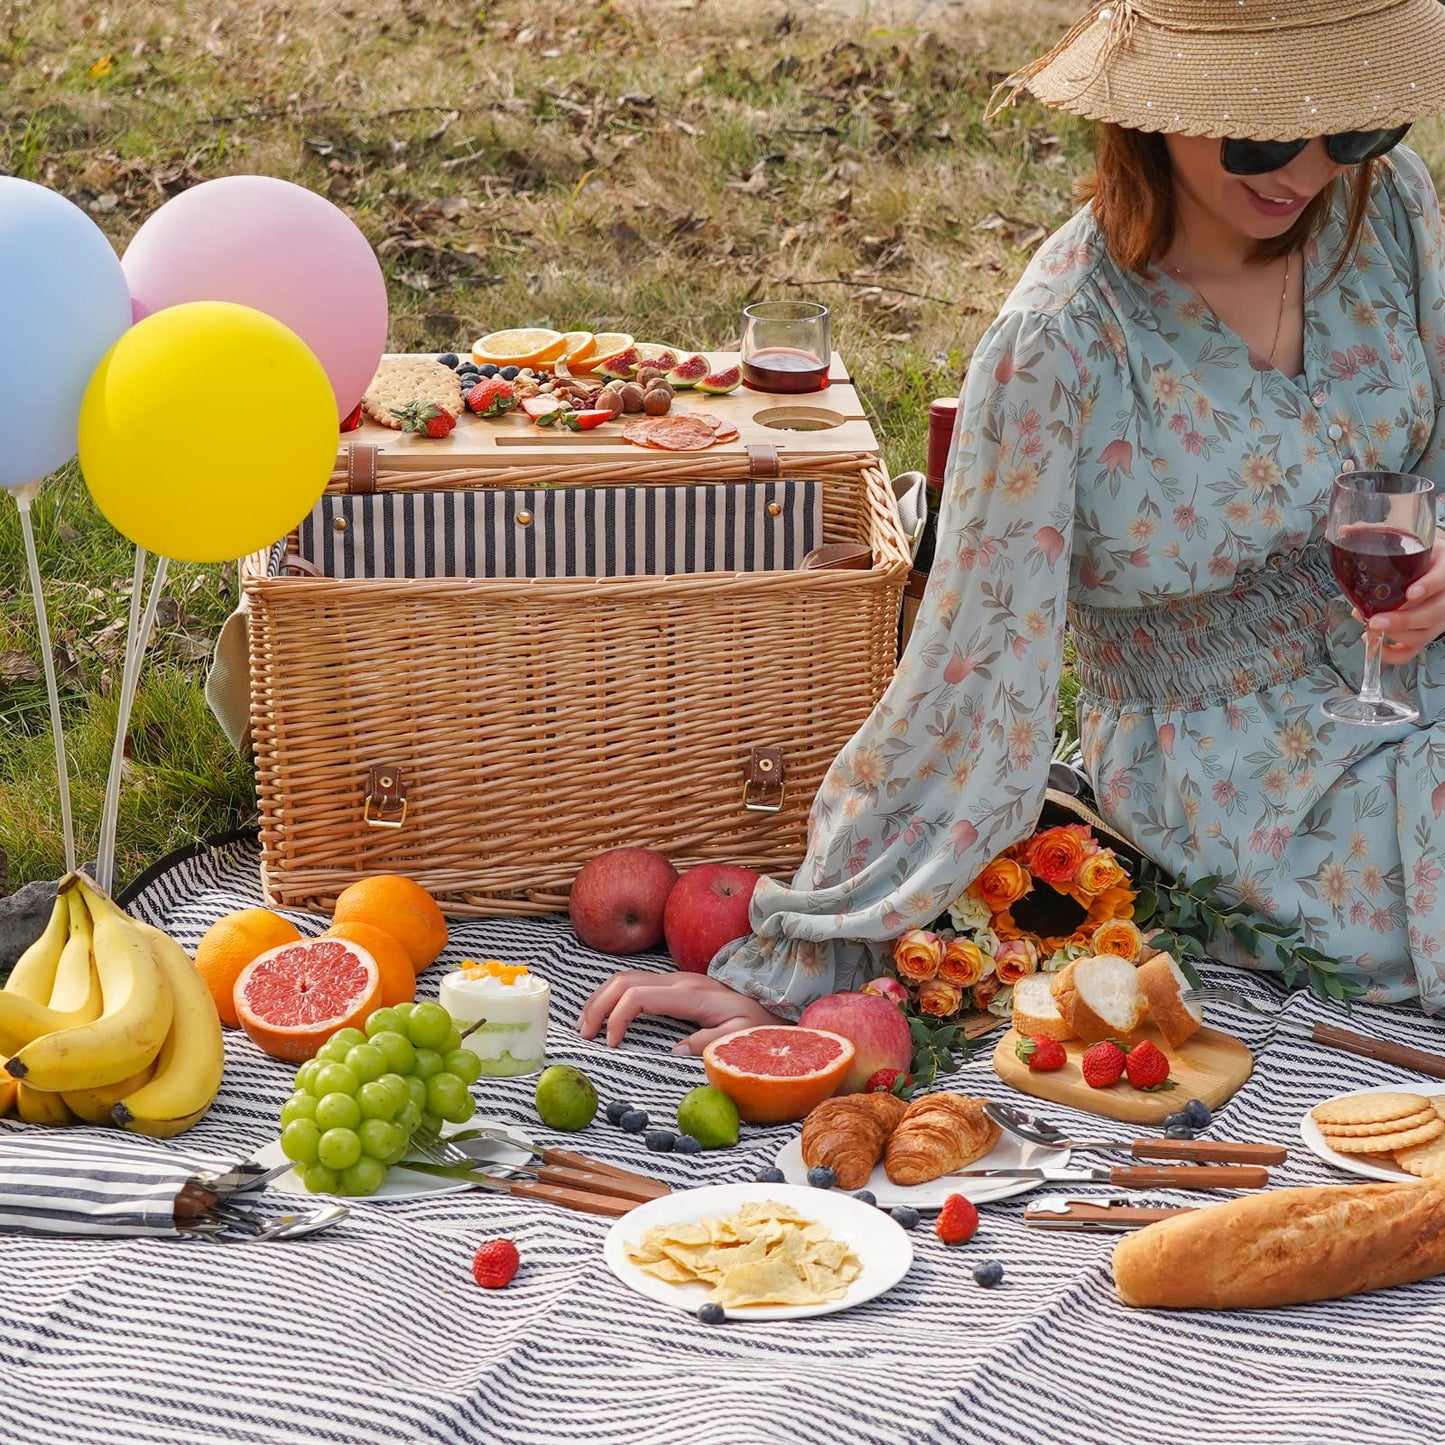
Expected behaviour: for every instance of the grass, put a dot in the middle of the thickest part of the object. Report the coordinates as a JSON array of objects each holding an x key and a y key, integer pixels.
[{"x": 609, "y": 164}]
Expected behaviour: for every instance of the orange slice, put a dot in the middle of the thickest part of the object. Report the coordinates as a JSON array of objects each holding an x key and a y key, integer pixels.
[
  {"x": 606, "y": 345},
  {"x": 520, "y": 346},
  {"x": 580, "y": 346}
]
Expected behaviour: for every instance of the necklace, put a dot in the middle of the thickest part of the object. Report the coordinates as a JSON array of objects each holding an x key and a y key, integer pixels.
[{"x": 1283, "y": 300}]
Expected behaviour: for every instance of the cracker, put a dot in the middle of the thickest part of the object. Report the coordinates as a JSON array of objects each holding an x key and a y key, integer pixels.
[
  {"x": 1389, "y": 1143},
  {"x": 403, "y": 379},
  {"x": 1368, "y": 1108},
  {"x": 1426, "y": 1160},
  {"x": 1394, "y": 1126}
]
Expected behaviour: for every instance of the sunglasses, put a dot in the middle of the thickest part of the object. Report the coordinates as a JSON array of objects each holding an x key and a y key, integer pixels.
[{"x": 1345, "y": 148}]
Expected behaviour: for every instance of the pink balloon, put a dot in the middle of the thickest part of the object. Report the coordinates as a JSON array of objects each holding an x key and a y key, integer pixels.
[{"x": 278, "y": 248}]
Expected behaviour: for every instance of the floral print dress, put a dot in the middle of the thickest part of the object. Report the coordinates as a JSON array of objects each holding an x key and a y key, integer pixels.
[{"x": 1123, "y": 466}]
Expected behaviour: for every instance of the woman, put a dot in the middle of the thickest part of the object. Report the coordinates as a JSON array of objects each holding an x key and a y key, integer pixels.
[{"x": 1147, "y": 438}]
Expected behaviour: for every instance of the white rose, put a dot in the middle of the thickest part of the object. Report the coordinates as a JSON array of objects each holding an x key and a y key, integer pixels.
[
  {"x": 968, "y": 913},
  {"x": 1002, "y": 1003}
]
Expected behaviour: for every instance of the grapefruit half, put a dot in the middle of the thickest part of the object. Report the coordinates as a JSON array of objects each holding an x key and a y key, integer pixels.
[
  {"x": 776, "y": 1073},
  {"x": 291, "y": 999}
]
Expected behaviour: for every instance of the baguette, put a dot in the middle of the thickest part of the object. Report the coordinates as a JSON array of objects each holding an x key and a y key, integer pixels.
[
  {"x": 1286, "y": 1247},
  {"x": 1036, "y": 1011},
  {"x": 1099, "y": 998},
  {"x": 1161, "y": 981}
]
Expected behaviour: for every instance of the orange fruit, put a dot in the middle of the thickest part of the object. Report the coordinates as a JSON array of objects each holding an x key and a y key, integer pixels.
[
  {"x": 580, "y": 345},
  {"x": 776, "y": 1073},
  {"x": 519, "y": 346},
  {"x": 293, "y": 998},
  {"x": 398, "y": 906},
  {"x": 398, "y": 977},
  {"x": 230, "y": 944},
  {"x": 605, "y": 345}
]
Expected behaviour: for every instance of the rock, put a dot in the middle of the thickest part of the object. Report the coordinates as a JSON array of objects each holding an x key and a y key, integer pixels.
[{"x": 23, "y": 917}]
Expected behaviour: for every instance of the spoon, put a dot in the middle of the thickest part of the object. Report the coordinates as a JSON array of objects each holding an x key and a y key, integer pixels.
[{"x": 1036, "y": 1130}]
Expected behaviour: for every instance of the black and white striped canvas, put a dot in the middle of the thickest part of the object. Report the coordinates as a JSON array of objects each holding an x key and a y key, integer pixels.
[
  {"x": 375, "y": 1334},
  {"x": 757, "y": 526}
]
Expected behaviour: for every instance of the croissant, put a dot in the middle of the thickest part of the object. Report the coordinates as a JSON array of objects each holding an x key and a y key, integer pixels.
[
  {"x": 848, "y": 1135},
  {"x": 936, "y": 1135}
]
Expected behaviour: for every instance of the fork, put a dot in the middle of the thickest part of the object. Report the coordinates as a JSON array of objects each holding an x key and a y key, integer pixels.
[
  {"x": 562, "y": 1159},
  {"x": 1329, "y": 1035},
  {"x": 635, "y": 1187}
]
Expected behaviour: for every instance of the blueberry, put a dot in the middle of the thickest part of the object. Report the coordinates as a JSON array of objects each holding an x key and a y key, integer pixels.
[
  {"x": 451, "y": 359},
  {"x": 866, "y": 1196},
  {"x": 770, "y": 1176},
  {"x": 660, "y": 1141},
  {"x": 1179, "y": 1131},
  {"x": 905, "y": 1216},
  {"x": 1176, "y": 1121},
  {"x": 711, "y": 1314},
  {"x": 615, "y": 1111},
  {"x": 488, "y": 369},
  {"x": 510, "y": 373},
  {"x": 988, "y": 1274},
  {"x": 634, "y": 1121},
  {"x": 686, "y": 1144},
  {"x": 1196, "y": 1113},
  {"x": 821, "y": 1177}
]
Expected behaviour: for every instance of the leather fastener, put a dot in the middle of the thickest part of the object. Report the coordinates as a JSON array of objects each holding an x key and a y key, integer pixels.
[
  {"x": 764, "y": 781},
  {"x": 385, "y": 795},
  {"x": 361, "y": 469}
]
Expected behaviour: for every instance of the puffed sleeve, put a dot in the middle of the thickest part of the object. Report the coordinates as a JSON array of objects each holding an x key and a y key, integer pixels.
[{"x": 951, "y": 766}]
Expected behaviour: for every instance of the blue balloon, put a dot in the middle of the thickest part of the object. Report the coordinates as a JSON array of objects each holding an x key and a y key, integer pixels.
[{"x": 63, "y": 304}]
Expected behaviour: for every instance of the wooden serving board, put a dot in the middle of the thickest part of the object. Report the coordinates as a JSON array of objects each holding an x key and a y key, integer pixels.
[
  {"x": 826, "y": 422},
  {"x": 1209, "y": 1067}
]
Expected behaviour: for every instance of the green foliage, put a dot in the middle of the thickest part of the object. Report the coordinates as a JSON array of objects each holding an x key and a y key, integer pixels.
[{"x": 938, "y": 1048}]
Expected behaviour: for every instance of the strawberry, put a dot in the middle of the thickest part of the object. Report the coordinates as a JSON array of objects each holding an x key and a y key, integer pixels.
[
  {"x": 886, "y": 1081},
  {"x": 1042, "y": 1055},
  {"x": 491, "y": 397},
  {"x": 537, "y": 407},
  {"x": 957, "y": 1220},
  {"x": 1103, "y": 1064},
  {"x": 354, "y": 420},
  {"x": 425, "y": 417},
  {"x": 495, "y": 1263},
  {"x": 1148, "y": 1068},
  {"x": 586, "y": 420}
]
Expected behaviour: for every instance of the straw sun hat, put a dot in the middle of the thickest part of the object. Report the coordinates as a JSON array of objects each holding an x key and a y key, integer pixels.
[{"x": 1252, "y": 69}]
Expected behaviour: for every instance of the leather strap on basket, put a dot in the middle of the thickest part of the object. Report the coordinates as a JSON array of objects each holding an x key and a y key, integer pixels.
[
  {"x": 763, "y": 460},
  {"x": 361, "y": 469},
  {"x": 385, "y": 796},
  {"x": 293, "y": 564},
  {"x": 763, "y": 781}
]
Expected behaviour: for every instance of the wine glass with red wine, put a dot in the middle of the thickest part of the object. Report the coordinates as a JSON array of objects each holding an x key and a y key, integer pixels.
[
  {"x": 786, "y": 346},
  {"x": 1381, "y": 532}
]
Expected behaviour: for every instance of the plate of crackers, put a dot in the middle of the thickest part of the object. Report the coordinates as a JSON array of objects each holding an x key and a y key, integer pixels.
[
  {"x": 758, "y": 1251},
  {"x": 1383, "y": 1133}
]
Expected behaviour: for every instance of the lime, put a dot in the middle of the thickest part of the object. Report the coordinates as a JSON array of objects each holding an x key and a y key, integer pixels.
[
  {"x": 709, "y": 1116},
  {"x": 565, "y": 1098}
]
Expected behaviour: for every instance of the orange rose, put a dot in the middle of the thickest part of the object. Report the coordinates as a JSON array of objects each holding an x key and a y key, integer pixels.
[
  {"x": 1015, "y": 960},
  {"x": 963, "y": 963},
  {"x": 1003, "y": 883},
  {"x": 917, "y": 955},
  {"x": 1099, "y": 872},
  {"x": 983, "y": 992},
  {"x": 1120, "y": 937},
  {"x": 1056, "y": 855},
  {"x": 941, "y": 1000}
]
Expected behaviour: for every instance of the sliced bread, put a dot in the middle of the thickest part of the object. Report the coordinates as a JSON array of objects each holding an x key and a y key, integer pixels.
[
  {"x": 1099, "y": 998},
  {"x": 1162, "y": 981},
  {"x": 1036, "y": 1011}
]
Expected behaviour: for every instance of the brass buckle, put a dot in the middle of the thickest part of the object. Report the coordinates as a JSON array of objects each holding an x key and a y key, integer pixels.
[
  {"x": 765, "y": 774},
  {"x": 385, "y": 792}
]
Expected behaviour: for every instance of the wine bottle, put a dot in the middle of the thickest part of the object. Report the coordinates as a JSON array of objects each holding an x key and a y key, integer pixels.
[{"x": 941, "y": 414}]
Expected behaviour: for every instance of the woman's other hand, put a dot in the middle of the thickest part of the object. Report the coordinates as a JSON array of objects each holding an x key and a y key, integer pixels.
[
  {"x": 691, "y": 996},
  {"x": 1411, "y": 628}
]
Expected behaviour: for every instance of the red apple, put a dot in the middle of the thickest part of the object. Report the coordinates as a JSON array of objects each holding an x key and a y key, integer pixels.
[
  {"x": 617, "y": 900},
  {"x": 873, "y": 1024},
  {"x": 707, "y": 909}
]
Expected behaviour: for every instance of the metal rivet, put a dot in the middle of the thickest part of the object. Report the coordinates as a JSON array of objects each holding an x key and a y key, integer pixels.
[
  {"x": 339, "y": 524},
  {"x": 385, "y": 782},
  {"x": 765, "y": 765},
  {"x": 775, "y": 509},
  {"x": 524, "y": 519}
]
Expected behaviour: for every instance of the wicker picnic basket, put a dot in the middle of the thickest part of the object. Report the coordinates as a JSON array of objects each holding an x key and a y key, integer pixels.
[{"x": 487, "y": 736}]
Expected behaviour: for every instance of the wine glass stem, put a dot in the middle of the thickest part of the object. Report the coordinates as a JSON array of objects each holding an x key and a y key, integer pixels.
[{"x": 1370, "y": 685}]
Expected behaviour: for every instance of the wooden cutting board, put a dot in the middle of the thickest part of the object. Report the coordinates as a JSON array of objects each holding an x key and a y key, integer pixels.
[{"x": 1210, "y": 1067}]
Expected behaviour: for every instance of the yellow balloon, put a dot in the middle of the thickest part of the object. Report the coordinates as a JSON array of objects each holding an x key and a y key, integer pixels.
[{"x": 207, "y": 432}]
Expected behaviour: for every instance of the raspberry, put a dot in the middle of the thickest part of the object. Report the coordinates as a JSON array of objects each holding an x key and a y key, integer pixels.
[
  {"x": 1103, "y": 1064},
  {"x": 1148, "y": 1068},
  {"x": 885, "y": 1081},
  {"x": 495, "y": 1263},
  {"x": 957, "y": 1220},
  {"x": 1042, "y": 1055}
]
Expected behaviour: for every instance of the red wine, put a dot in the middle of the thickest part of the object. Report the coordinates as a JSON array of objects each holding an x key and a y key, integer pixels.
[
  {"x": 781, "y": 368},
  {"x": 1375, "y": 565}
]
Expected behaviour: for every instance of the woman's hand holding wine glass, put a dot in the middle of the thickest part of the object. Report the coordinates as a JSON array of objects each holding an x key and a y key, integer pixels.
[{"x": 1411, "y": 627}]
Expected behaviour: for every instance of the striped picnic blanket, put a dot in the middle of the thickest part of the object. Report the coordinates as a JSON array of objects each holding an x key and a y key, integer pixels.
[{"x": 374, "y": 1332}]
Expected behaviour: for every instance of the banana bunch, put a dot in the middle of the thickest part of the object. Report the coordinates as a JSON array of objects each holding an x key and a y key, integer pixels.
[{"x": 105, "y": 1019}]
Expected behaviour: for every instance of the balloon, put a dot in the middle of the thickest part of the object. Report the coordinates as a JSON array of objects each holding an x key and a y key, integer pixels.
[
  {"x": 207, "y": 432},
  {"x": 280, "y": 248},
  {"x": 63, "y": 303}
]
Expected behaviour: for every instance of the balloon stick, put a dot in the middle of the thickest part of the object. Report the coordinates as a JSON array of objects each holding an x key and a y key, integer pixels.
[
  {"x": 24, "y": 495},
  {"x": 135, "y": 644}
]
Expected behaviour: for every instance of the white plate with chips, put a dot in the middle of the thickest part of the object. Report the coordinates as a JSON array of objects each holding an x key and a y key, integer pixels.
[
  {"x": 1008, "y": 1153},
  {"x": 883, "y": 1251},
  {"x": 1366, "y": 1166}
]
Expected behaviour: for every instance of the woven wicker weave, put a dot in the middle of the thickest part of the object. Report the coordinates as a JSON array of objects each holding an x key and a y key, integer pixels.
[{"x": 539, "y": 722}]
